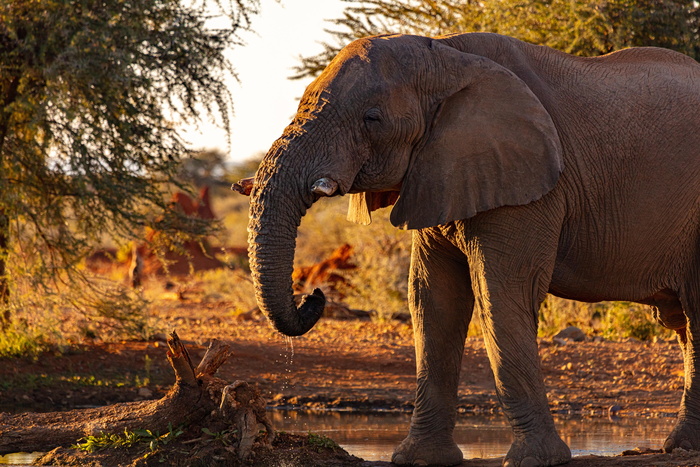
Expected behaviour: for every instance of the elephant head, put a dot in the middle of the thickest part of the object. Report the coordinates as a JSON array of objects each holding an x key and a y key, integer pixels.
[{"x": 403, "y": 120}]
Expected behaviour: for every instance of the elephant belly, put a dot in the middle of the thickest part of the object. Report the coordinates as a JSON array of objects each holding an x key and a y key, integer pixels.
[
  {"x": 629, "y": 252},
  {"x": 601, "y": 276}
]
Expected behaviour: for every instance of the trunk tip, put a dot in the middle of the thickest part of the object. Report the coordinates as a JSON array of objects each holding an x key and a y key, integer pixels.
[{"x": 309, "y": 312}]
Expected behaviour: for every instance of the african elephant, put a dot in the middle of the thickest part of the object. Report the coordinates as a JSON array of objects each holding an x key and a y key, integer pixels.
[{"x": 521, "y": 170}]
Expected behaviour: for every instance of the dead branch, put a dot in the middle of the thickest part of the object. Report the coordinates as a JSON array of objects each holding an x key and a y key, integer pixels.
[{"x": 196, "y": 395}]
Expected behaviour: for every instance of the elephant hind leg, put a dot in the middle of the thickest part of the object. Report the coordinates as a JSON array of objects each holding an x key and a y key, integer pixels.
[
  {"x": 512, "y": 348},
  {"x": 508, "y": 292},
  {"x": 686, "y": 433}
]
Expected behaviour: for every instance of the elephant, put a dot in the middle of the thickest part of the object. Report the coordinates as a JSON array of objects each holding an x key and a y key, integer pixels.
[{"x": 521, "y": 171}]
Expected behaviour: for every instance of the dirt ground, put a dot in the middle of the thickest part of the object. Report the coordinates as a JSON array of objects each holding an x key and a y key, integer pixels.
[{"x": 358, "y": 365}]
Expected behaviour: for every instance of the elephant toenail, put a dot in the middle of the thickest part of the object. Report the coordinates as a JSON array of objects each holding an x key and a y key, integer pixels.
[
  {"x": 419, "y": 462},
  {"x": 509, "y": 463},
  {"x": 668, "y": 445},
  {"x": 398, "y": 459},
  {"x": 685, "y": 444}
]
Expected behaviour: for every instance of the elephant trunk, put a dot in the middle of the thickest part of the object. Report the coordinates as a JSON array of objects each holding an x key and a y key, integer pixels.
[{"x": 275, "y": 215}]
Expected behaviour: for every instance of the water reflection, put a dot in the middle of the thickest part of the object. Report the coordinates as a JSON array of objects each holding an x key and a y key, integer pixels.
[
  {"x": 374, "y": 436},
  {"x": 20, "y": 458},
  {"x": 606, "y": 437}
]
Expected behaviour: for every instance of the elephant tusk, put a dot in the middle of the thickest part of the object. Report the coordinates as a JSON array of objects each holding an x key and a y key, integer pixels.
[
  {"x": 324, "y": 187},
  {"x": 244, "y": 186}
]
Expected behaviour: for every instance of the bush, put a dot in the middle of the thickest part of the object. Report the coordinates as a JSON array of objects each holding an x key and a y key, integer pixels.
[
  {"x": 43, "y": 317},
  {"x": 612, "y": 320},
  {"x": 230, "y": 285},
  {"x": 20, "y": 342}
]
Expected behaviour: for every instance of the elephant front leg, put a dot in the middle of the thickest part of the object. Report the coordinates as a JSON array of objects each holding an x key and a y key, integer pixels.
[{"x": 441, "y": 303}]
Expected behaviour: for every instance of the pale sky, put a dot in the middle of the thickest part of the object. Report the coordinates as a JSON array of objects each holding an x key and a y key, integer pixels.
[{"x": 265, "y": 100}]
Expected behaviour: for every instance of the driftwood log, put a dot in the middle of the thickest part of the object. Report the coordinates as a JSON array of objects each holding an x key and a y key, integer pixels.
[{"x": 196, "y": 395}]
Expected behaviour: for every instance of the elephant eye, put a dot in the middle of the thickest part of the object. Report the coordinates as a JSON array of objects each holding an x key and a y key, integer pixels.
[{"x": 373, "y": 115}]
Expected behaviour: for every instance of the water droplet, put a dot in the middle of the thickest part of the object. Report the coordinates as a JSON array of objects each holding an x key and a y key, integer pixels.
[{"x": 289, "y": 362}]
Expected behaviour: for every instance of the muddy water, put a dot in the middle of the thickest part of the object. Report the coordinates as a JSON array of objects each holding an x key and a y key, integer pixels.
[{"x": 374, "y": 436}]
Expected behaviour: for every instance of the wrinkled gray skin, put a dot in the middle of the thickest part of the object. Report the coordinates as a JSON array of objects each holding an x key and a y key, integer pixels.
[{"x": 522, "y": 171}]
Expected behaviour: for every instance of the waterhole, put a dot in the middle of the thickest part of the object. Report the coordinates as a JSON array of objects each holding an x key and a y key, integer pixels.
[
  {"x": 20, "y": 458},
  {"x": 374, "y": 436}
]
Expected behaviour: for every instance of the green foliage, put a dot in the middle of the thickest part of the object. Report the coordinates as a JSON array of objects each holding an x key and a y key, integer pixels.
[
  {"x": 89, "y": 93},
  {"x": 321, "y": 442},
  {"x": 21, "y": 342},
  {"x": 128, "y": 439},
  {"x": 95, "y": 443},
  {"x": 626, "y": 319},
  {"x": 46, "y": 317},
  {"x": 556, "y": 314},
  {"x": 38, "y": 381},
  {"x": 94, "y": 381},
  {"x": 204, "y": 168},
  {"x": 383, "y": 256},
  {"x": 122, "y": 310},
  {"x": 155, "y": 439},
  {"x": 580, "y": 27},
  {"x": 222, "y": 436}
]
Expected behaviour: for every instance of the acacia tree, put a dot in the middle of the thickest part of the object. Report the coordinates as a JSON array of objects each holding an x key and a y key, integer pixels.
[
  {"x": 579, "y": 27},
  {"x": 91, "y": 92}
]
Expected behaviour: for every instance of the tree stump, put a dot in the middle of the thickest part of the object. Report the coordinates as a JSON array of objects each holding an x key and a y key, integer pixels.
[{"x": 197, "y": 397}]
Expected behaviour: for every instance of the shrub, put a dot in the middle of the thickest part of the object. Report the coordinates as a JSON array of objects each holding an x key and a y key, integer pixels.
[
  {"x": 612, "y": 320},
  {"x": 230, "y": 285},
  {"x": 17, "y": 341}
]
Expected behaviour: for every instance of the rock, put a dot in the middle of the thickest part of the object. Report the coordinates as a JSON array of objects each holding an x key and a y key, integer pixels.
[
  {"x": 401, "y": 316},
  {"x": 338, "y": 310},
  {"x": 254, "y": 314},
  {"x": 680, "y": 453},
  {"x": 613, "y": 412},
  {"x": 558, "y": 341},
  {"x": 158, "y": 337},
  {"x": 573, "y": 333},
  {"x": 145, "y": 392}
]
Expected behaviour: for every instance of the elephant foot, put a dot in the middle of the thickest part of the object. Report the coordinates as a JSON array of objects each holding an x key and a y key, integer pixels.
[
  {"x": 686, "y": 435},
  {"x": 535, "y": 450},
  {"x": 427, "y": 451}
]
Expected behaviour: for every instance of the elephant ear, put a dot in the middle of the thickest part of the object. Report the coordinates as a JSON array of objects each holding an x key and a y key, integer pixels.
[
  {"x": 362, "y": 204},
  {"x": 491, "y": 144}
]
